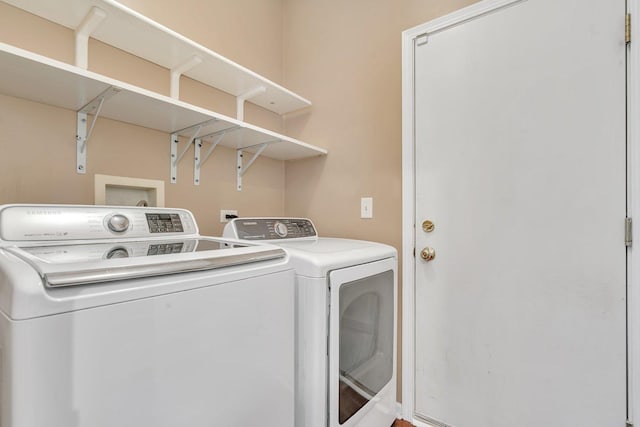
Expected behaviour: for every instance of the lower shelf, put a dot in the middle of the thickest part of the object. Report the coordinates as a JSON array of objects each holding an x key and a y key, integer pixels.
[{"x": 37, "y": 78}]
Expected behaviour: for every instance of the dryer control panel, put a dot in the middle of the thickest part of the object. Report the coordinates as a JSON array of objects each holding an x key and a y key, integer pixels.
[{"x": 270, "y": 229}]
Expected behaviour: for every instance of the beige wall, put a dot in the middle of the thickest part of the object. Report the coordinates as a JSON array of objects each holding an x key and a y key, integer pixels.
[
  {"x": 342, "y": 55},
  {"x": 37, "y": 142},
  {"x": 346, "y": 57}
]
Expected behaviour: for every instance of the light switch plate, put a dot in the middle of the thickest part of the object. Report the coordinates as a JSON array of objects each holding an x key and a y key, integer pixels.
[{"x": 366, "y": 207}]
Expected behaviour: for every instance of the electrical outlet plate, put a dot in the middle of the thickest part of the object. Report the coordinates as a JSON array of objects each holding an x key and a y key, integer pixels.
[{"x": 225, "y": 212}]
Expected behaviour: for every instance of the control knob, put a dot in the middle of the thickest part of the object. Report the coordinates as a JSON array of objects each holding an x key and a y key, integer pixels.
[
  {"x": 118, "y": 252},
  {"x": 280, "y": 229},
  {"x": 118, "y": 223}
]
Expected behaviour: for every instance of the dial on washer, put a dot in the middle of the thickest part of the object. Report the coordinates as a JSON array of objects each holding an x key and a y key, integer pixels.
[
  {"x": 280, "y": 229},
  {"x": 118, "y": 223},
  {"x": 118, "y": 252}
]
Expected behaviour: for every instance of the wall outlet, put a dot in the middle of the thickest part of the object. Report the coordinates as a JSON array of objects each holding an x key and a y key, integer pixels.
[
  {"x": 366, "y": 207},
  {"x": 225, "y": 212}
]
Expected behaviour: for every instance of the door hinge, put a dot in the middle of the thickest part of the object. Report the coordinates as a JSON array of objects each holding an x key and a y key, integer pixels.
[
  {"x": 629, "y": 424},
  {"x": 628, "y": 237},
  {"x": 627, "y": 28}
]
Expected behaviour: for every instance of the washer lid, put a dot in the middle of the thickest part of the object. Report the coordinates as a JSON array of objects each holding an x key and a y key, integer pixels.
[{"x": 89, "y": 263}]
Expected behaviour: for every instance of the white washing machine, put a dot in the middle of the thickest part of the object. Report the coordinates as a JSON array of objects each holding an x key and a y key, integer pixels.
[
  {"x": 346, "y": 311},
  {"x": 128, "y": 317}
]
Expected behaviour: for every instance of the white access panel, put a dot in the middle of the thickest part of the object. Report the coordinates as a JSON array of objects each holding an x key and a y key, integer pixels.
[{"x": 520, "y": 163}]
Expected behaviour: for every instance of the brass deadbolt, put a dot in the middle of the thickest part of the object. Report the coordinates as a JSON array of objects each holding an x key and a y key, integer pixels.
[
  {"x": 428, "y": 226},
  {"x": 428, "y": 254}
]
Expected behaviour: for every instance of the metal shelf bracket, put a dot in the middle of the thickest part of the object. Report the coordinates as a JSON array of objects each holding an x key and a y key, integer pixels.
[
  {"x": 176, "y": 72},
  {"x": 82, "y": 33},
  {"x": 240, "y": 169},
  {"x": 174, "y": 141},
  {"x": 199, "y": 159},
  {"x": 82, "y": 133},
  {"x": 245, "y": 96}
]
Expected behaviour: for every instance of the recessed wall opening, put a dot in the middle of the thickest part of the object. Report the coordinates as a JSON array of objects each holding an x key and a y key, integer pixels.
[{"x": 125, "y": 191}]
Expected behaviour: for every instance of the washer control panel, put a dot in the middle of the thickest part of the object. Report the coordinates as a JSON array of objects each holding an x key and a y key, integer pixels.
[
  {"x": 270, "y": 229},
  {"x": 69, "y": 222},
  {"x": 164, "y": 223}
]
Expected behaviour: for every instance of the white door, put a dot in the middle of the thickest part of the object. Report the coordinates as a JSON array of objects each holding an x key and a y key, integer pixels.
[{"x": 520, "y": 164}]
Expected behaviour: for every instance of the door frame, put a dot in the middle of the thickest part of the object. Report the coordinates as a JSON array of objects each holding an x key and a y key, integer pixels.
[{"x": 408, "y": 200}]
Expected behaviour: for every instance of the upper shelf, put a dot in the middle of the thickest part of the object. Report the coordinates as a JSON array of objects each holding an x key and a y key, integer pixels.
[
  {"x": 37, "y": 78},
  {"x": 132, "y": 32}
]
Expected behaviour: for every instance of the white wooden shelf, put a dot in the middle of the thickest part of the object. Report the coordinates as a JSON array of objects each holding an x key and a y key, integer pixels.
[
  {"x": 30, "y": 76},
  {"x": 132, "y": 32},
  {"x": 37, "y": 78}
]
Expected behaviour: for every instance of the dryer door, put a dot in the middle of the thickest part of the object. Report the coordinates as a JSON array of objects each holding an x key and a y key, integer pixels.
[{"x": 362, "y": 324}]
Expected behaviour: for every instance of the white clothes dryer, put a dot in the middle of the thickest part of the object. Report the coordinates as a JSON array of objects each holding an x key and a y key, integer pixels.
[
  {"x": 128, "y": 317},
  {"x": 346, "y": 322}
]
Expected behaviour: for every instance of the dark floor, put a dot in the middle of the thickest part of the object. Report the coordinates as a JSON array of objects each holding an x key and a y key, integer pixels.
[{"x": 351, "y": 401}]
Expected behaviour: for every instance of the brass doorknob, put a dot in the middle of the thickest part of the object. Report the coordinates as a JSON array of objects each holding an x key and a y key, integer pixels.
[{"x": 428, "y": 254}]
